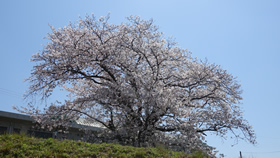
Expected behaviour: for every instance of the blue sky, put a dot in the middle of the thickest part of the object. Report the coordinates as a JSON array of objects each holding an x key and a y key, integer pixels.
[{"x": 241, "y": 36}]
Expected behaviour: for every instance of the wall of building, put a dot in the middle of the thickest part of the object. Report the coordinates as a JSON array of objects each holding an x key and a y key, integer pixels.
[
  {"x": 10, "y": 125},
  {"x": 16, "y": 123}
]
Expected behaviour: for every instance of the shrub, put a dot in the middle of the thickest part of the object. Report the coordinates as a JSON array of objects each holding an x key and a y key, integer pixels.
[{"x": 24, "y": 146}]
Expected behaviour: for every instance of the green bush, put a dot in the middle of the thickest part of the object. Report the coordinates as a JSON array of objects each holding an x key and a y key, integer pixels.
[{"x": 24, "y": 146}]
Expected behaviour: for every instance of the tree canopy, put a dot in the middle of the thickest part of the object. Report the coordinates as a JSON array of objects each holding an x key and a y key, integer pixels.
[{"x": 135, "y": 83}]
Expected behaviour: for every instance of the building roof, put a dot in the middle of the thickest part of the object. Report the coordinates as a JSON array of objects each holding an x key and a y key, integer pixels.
[{"x": 15, "y": 116}]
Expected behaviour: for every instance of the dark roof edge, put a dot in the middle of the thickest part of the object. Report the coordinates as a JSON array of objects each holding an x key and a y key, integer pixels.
[{"x": 15, "y": 115}]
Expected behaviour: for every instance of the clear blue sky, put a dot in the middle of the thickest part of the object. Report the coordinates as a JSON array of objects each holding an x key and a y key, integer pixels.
[{"x": 243, "y": 36}]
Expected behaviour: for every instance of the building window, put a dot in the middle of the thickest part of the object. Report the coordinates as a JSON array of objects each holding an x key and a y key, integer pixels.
[
  {"x": 17, "y": 130},
  {"x": 39, "y": 134},
  {"x": 3, "y": 130}
]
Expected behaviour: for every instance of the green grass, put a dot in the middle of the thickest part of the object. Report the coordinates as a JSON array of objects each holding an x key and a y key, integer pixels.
[{"x": 24, "y": 146}]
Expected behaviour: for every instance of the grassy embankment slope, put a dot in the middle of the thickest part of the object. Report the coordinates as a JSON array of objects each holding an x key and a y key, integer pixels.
[{"x": 24, "y": 146}]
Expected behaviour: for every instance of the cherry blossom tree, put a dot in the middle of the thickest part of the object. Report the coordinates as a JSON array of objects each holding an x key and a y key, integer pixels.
[{"x": 135, "y": 83}]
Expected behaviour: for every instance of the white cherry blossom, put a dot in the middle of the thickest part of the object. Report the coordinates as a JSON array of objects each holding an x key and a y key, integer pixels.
[{"x": 136, "y": 84}]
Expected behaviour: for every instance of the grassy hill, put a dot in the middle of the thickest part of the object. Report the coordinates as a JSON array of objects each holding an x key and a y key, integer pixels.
[{"x": 24, "y": 146}]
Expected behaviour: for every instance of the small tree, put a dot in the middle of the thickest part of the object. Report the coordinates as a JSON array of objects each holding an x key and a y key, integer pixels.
[{"x": 137, "y": 84}]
